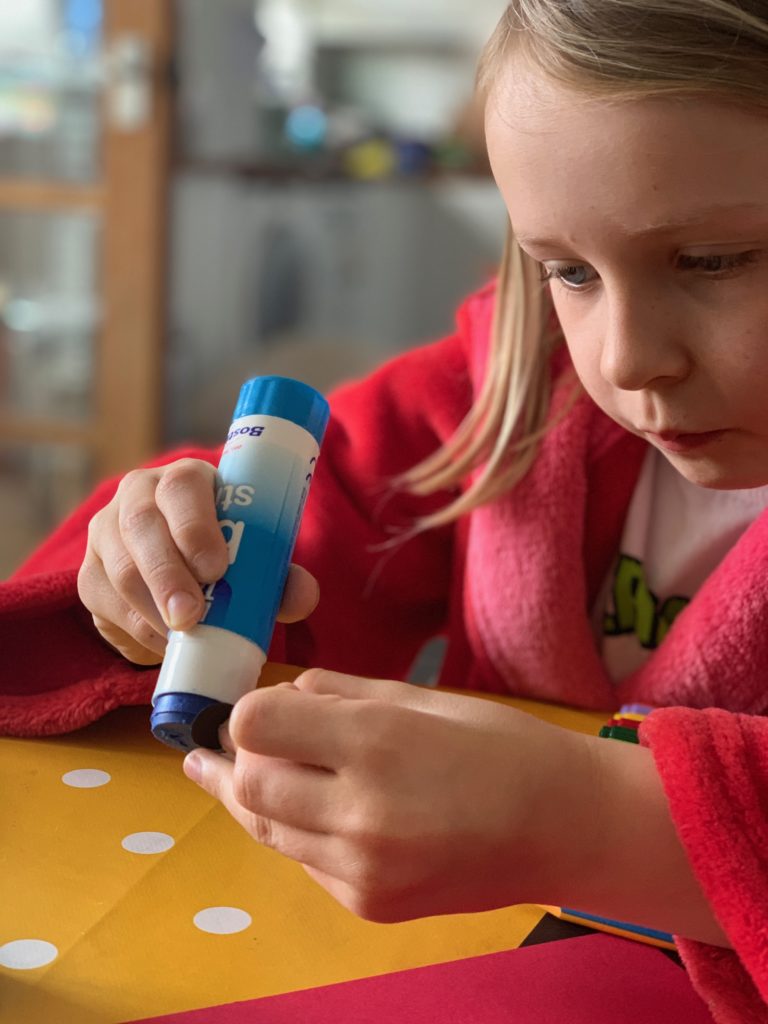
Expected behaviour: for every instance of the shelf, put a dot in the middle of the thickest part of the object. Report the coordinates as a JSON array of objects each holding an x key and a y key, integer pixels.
[
  {"x": 15, "y": 428},
  {"x": 22, "y": 194},
  {"x": 316, "y": 175},
  {"x": 53, "y": 70}
]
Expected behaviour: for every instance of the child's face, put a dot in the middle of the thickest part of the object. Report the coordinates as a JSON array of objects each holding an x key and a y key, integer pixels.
[{"x": 651, "y": 217}]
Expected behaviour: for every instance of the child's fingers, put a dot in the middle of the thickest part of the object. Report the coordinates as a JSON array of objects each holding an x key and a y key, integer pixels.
[
  {"x": 358, "y": 899},
  {"x": 324, "y": 681},
  {"x": 464, "y": 707},
  {"x": 125, "y": 596},
  {"x": 215, "y": 774},
  {"x": 142, "y": 554},
  {"x": 225, "y": 739},
  {"x": 138, "y": 617},
  {"x": 281, "y": 721},
  {"x": 185, "y": 495},
  {"x": 127, "y": 645},
  {"x": 300, "y": 596},
  {"x": 292, "y": 794}
]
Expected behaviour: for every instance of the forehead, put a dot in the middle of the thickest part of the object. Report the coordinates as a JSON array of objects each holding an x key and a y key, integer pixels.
[{"x": 562, "y": 158}]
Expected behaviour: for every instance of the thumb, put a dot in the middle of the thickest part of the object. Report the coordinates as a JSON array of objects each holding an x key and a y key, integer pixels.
[{"x": 300, "y": 596}]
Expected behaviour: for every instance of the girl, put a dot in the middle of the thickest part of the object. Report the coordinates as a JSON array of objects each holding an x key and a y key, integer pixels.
[{"x": 584, "y": 523}]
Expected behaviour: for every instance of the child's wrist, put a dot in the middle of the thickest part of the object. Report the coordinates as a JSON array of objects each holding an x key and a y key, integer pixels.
[
  {"x": 562, "y": 825},
  {"x": 606, "y": 803},
  {"x": 629, "y": 863}
]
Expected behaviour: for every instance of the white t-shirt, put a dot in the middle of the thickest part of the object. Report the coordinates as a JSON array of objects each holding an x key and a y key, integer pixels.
[{"x": 675, "y": 535}]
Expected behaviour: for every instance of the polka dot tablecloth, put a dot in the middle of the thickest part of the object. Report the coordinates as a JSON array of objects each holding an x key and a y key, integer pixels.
[{"x": 129, "y": 893}]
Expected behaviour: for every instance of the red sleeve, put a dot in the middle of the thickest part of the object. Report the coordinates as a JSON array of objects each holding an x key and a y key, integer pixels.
[
  {"x": 714, "y": 767},
  {"x": 57, "y": 674},
  {"x": 377, "y": 606}
]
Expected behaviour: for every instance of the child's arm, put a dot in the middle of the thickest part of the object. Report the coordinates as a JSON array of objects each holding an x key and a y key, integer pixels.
[
  {"x": 381, "y": 427},
  {"x": 407, "y": 803},
  {"x": 157, "y": 540},
  {"x": 639, "y": 871}
]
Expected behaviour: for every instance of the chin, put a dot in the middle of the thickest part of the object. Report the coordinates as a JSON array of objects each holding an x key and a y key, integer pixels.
[{"x": 716, "y": 475}]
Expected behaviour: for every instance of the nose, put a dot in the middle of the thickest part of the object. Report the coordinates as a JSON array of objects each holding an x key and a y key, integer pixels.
[{"x": 643, "y": 344}]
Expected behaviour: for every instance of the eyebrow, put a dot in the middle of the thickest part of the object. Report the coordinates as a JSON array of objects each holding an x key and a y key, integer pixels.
[{"x": 696, "y": 219}]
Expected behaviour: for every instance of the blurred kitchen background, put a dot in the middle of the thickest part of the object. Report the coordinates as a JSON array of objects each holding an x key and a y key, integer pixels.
[{"x": 198, "y": 191}]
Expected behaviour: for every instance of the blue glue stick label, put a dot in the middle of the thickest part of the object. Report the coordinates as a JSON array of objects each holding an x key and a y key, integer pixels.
[{"x": 263, "y": 480}]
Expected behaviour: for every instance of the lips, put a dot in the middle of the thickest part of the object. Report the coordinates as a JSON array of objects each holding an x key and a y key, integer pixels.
[{"x": 672, "y": 441}]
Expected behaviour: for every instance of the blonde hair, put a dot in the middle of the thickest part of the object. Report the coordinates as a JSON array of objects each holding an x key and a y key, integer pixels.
[{"x": 627, "y": 49}]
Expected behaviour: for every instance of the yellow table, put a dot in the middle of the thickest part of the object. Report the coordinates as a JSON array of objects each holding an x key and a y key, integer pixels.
[{"x": 107, "y": 890}]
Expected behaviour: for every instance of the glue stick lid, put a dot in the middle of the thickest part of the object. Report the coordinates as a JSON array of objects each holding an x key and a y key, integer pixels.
[{"x": 281, "y": 396}]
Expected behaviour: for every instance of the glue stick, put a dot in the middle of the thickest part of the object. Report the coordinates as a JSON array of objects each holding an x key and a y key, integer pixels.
[{"x": 262, "y": 484}]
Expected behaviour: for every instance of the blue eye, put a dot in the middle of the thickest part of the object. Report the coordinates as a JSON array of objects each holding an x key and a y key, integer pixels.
[
  {"x": 576, "y": 276},
  {"x": 572, "y": 275}
]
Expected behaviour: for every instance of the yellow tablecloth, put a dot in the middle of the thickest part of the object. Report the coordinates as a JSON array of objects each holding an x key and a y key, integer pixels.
[{"x": 121, "y": 924}]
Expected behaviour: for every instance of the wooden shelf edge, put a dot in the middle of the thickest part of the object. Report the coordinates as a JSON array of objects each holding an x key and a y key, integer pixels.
[
  {"x": 29, "y": 430},
  {"x": 19, "y": 194}
]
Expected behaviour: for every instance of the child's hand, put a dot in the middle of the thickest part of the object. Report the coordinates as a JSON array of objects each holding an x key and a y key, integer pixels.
[
  {"x": 401, "y": 802},
  {"x": 150, "y": 549},
  {"x": 404, "y": 802}
]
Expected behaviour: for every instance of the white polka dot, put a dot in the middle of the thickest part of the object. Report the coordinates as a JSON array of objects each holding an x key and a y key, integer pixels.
[
  {"x": 147, "y": 842},
  {"x": 222, "y": 920},
  {"x": 26, "y": 954},
  {"x": 86, "y": 778}
]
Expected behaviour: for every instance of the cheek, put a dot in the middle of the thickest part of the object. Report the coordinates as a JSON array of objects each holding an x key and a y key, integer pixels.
[
  {"x": 733, "y": 357},
  {"x": 749, "y": 349},
  {"x": 583, "y": 340},
  {"x": 586, "y": 361}
]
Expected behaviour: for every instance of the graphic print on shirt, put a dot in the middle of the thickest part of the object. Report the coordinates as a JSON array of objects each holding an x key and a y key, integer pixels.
[{"x": 636, "y": 609}]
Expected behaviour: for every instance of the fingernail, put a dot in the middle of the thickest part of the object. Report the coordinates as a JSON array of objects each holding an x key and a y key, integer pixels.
[
  {"x": 193, "y": 767},
  {"x": 225, "y": 739},
  {"x": 182, "y": 610}
]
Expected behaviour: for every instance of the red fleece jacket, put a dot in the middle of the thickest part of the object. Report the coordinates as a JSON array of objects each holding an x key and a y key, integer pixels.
[{"x": 511, "y": 587}]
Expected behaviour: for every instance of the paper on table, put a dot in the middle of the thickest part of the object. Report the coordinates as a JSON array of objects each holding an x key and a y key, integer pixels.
[
  {"x": 125, "y": 927},
  {"x": 571, "y": 981}
]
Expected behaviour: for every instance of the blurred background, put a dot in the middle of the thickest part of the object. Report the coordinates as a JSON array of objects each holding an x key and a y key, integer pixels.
[{"x": 198, "y": 191}]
